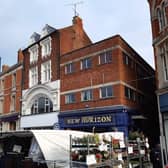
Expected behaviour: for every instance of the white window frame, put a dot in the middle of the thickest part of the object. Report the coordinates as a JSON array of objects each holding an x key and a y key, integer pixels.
[
  {"x": 33, "y": 76},
  {"x": 2, "y": 82},
  {"x": 105, "y": 55},
  {"x": 68, "y": 98},
  {"x": 69, "y": 68},
  {"x": 13, "y": 103},
  {"x": 14, "y": 80},
  {"x": 85, "y": 63},
  {"x": 35, "y": 107},
  {"x": 33, "y": 53},
  {"x": 1, "y": 106},
  {"x": 46, "y": 72},
  {"x": 47, "y": 104},
  {"x": 46, "y": 47},
  {"x": 87, "y": 95},
  {"x": 129, "y": 93},
  {"x": 106, "y": 90}
]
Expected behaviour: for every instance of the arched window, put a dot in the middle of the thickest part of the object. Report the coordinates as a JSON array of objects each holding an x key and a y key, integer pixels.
[
  {"x": 163, "y": 14},
  {"x": 160, "y": 18},
  {"x": 42, "y": 105}
]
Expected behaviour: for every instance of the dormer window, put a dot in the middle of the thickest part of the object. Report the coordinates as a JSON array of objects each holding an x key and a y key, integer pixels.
[
  {"x": 47, "y": 30},
  {"x": 46, "y": 47},
  {"x": 33, "y": 53}
]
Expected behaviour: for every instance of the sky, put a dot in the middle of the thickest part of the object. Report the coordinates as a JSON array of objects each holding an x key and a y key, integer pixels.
[{"x": 101, "y": 19}]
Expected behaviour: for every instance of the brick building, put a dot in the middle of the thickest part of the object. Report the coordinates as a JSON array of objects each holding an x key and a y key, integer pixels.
[
  {"x": 41, "y": 73},
  {"x": 107, "y": 86},
  {"x": 159, "y": 23},
  {"x": 10, "y": 96}
]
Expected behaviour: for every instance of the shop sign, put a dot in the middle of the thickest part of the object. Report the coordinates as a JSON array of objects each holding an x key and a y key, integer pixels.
[{"x": 88, "y": 119}]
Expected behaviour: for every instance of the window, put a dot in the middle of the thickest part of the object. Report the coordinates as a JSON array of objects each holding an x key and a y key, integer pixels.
[
  {"x": 2, "y": 85},
  {"x": 46, "y": 47},
  {"x": 13, "y": 103},
  {"x": 34, "y": 108},
  {"x": 164, "y": 56},
  {"x": 12, "y": 126},
  {"x": 127, "y": 60},
  {"x": 86, "y": 95},
  {"x": 106, "y": 92},
  {"x": 33, "y": 53},
  {"x": 42, "y": 105},
  {"x": 129, "y": 93},
  {"x": 14, "y": 80},
  {"x": 163, "y": 14},
  {"x": 70, "y": 98},
  {"x": 46, "y": 72},
  {"x": 33, "y": 76},
  {"x": 105, "y": 57},
  {"x": 1, "y": 106},
  {"x": 69, "y": 68},
  {"x": 86, "y": 63}
]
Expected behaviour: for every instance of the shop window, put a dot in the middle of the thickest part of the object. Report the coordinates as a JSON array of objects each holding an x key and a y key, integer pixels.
[
  {"x": 12, "y": 125},
  {"x": 69, "y": 68},
  {"x": 130, "y": 93},
  {"x": 86, "y": 95},
  {"x": 86, "y": 63},
  {"x": 105, "y": 57},
  {"x": 42, "y": 105},
  {"x": 46, "y": 72},
  {"x": 106, "y": 92},
  {"x": 70, "y": 98}
]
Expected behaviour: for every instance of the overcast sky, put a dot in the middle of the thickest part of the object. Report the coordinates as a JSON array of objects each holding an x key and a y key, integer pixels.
[{"x": 101, "y": 19}]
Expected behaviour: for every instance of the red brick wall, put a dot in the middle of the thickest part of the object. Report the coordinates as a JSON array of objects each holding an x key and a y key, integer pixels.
[
  {"x": 8, "y": 89},
  {"x": 114, "y": 71}
]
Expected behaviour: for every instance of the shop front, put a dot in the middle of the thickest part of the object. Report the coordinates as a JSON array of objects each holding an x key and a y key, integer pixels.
[
  {"x": 163, "y": 121},
  {"x": 9, "y": 122},
  {"x": 96, "y": 120}
]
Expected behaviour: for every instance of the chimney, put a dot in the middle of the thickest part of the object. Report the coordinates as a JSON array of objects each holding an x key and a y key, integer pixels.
[
  {"x": 77, "y": 21},
  {"x": 5, "y": 67},
  {"x": 20, "y": 56}
]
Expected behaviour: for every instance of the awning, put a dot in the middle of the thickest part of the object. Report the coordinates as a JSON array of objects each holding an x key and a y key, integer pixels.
[{"x": 9, "y": 117}]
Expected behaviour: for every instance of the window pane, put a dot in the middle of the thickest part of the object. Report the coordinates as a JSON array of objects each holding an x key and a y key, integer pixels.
[
  {"x": 106, "y": 57},
  {"x": 42, "y": 105},
  {"x": 69, "y": 68},
  {"x": 87, "y": 95},
  {"x": 106, "y": 91},
  {"x": 86, "y": 63},
  {"x": 102, "y": 58},
  {"x": 70, "y": 98}
]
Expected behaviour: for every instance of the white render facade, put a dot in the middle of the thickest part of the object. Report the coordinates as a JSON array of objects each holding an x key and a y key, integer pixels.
[{"x": 40, "y": 106}]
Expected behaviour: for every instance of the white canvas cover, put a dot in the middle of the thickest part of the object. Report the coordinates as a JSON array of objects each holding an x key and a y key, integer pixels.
[{"x": 55, "y": 144}]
